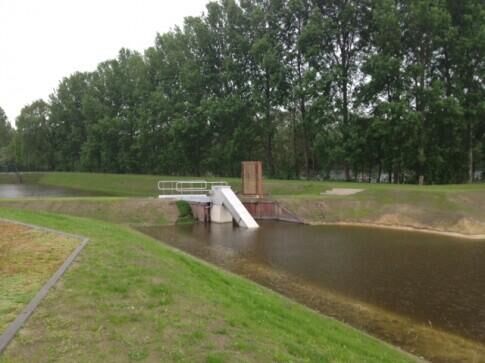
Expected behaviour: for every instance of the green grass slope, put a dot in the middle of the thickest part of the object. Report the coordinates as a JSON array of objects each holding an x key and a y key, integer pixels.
[
  {"x": 442, "y": 208},
  {"x": 130, "y": 298},
  {"x": 120, "y": 210}
]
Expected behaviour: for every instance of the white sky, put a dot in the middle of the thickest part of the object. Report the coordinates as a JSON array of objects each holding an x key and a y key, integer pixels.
[{"x": 43, "y": 41}]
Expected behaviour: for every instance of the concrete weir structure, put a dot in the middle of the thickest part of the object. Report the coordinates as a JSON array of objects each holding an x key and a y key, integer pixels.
[
  {"x": 210, "y": 201},
  {"x": 228, "y": 204}
]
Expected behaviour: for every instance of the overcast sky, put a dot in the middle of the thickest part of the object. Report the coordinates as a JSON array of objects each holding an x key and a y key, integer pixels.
[{"x": 43, "y": 41}]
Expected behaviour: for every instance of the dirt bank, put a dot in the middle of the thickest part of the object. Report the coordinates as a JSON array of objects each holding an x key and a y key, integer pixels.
[
  {"x": 457, "y": 214},
  {"x": 149, "y": 211}
]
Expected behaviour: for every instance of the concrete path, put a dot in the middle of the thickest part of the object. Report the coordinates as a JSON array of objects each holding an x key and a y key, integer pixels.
[{"x": 342, "y": 191}]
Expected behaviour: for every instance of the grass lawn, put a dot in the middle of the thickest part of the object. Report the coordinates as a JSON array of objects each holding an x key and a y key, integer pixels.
[
  {"x": 146, "y": 185},
  {"x": 28, "y": 258},
  {"x": 130, "y": 298}
]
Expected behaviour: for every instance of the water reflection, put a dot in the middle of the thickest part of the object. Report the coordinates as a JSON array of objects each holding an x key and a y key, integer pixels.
[{"x": 431, "y": 286}]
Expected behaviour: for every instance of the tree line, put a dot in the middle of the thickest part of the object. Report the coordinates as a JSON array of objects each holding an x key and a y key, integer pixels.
[{"x": 377, "y": 89}]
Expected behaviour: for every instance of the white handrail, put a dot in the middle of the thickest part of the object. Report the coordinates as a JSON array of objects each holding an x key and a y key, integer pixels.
[{"x": 188, "y": 186}]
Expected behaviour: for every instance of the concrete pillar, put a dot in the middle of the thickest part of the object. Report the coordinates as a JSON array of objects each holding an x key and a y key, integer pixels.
[{"x": 219, "y": 214}]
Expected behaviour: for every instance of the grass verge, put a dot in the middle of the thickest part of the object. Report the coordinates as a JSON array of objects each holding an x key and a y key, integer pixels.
[
  {"x": 119, "y": 210},
  {"x": 130, "y": 298}
]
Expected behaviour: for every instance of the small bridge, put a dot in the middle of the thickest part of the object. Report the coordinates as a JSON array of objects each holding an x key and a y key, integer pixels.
[{"x": 217, "y": 197}]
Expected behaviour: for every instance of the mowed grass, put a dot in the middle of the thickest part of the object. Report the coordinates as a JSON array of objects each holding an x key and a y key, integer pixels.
[
  {"x": 130, "y": 298},
  {"x": 27, "y": 260},
  {"x": 120, "y": 210},
  {"x": 112, "y": 184},
  {"x": 146, "y": 185}
]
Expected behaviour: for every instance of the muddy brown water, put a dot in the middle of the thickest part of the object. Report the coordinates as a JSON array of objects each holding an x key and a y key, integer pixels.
[
  {"x": 35, "y": 190},
  {"x": 422, "y": 292}
]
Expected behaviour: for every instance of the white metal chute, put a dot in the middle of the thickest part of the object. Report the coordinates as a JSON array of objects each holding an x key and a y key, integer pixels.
[{"x": 223, "y": 195}]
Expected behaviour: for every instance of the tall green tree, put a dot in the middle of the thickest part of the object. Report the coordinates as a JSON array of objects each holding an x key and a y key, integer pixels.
[
  {"x": 371, "y": 89},
  {"x": 342, "y": 26},
  {"x": 67, "y": 121},
  {"x": 34, "y": 135},
  {"x": 392, "y": 128},
  {"x": 114, "y": 109},
  {"x": 268, "y": 73},
  {"x": 463, "y": 68},
  {"x": 6, "y": 136},
  {"x": 426, "y": 26},
  {"x": 5, "y": 129},
  {"x": 295, "y": 17},
  {"x": 227, "y": 105}
]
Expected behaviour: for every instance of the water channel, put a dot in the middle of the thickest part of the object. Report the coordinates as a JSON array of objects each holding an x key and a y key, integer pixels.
[
  {"x": 422, "y": 292},
  {"x": 36, "y": 190}
]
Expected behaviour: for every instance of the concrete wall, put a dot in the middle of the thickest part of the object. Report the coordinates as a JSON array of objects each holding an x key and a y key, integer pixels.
[
  {"x": 258, "y": 208},
  {"x": 201, "y": 211},
  {"x": 269, "y": 209}
]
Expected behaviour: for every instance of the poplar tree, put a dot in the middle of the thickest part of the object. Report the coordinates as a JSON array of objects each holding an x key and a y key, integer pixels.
[{"x": 369, "y": 90}]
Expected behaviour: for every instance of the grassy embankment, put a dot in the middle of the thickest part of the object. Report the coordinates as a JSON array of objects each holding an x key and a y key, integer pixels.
[
  {"x": 27, "y": 260},
  {"x": 130, "y": 298},
  {"x": 444, "y": 208}
]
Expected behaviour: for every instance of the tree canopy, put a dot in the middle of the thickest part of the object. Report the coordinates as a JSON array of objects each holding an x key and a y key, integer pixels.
[
  {"x": 6, "y": 136},
  {"x": 386, "y": 90}
]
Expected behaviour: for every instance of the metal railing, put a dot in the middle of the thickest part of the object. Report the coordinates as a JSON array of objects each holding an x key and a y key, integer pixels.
[{"x": 187, "y": 186}]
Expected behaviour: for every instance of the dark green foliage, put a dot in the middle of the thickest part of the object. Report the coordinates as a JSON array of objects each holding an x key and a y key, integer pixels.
[
  {"x": 185, "y": 212},
  {"x": 5, "y": 129},
  {"x": 6, "y": 136},
  {"x": 33, "y": 142},
  {"x": 376, "y": 89}
]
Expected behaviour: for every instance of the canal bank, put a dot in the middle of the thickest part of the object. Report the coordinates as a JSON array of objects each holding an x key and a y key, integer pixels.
[
  {"x": 454, "y": 209},
  {"x": 131, "y": 298},
  {"x": 421, "y": 292},
  {"x": 127, "y": 211},
  {"x": 449, "y": 213}
]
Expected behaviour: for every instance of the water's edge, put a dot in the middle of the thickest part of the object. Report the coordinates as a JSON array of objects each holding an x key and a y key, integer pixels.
[{"x": 420, "y": 339}]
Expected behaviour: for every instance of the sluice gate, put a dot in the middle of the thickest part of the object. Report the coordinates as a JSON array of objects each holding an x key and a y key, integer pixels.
[{"x": 210, "y": 201}]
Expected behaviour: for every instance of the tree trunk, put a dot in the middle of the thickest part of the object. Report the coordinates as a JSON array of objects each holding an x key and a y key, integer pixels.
[
  {"x": 303, "y": 114},
  {"x": 397, "y": 174},
  {"x": 295, "y": 149},
  {"x": 420, "y": 82},
  {"x": 470, "y": 152},
  {"x": 269, "y": 127},
  {"x": 305, "y": 139},
  {"x": 345, "y": 104},
  {"x": 345, "y": 126}
]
